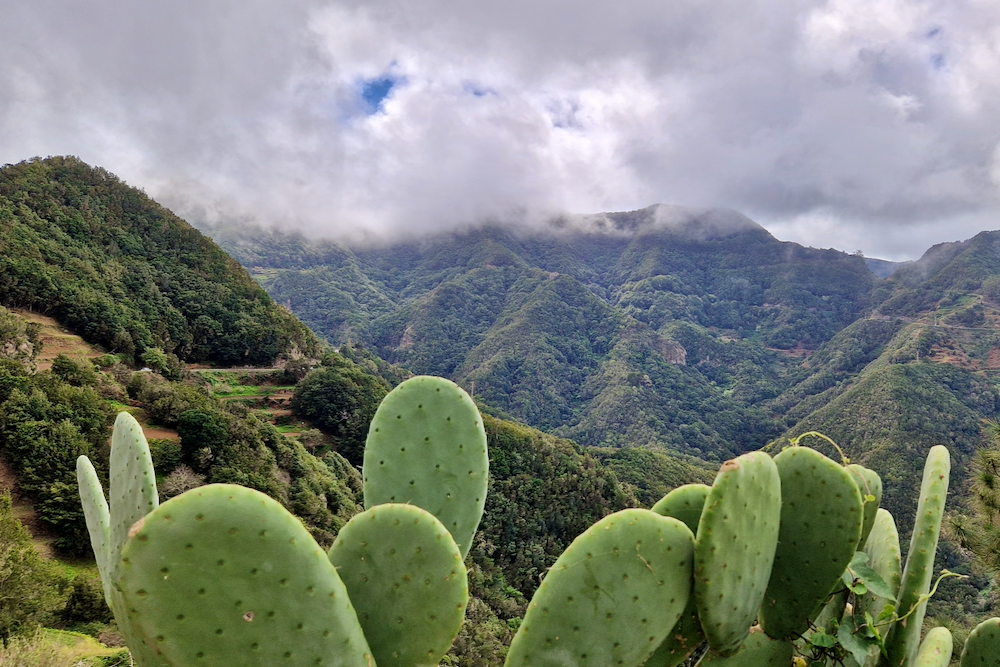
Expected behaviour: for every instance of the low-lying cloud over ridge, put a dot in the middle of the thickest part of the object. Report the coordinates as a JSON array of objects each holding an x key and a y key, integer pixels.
[{"x": 839, "y": 122}]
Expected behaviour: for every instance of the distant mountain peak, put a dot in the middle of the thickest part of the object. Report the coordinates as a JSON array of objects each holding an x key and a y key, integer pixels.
[{"x": 698, "y": 224}]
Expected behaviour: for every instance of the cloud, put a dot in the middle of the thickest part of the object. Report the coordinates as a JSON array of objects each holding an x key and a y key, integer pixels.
[{"x": 838, "y": 123}]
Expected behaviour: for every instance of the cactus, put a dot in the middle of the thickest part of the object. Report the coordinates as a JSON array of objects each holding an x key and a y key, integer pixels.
[
  {"x": 132, "y": 484},
  {"x": 935, "y": 651},
  {"x": 224, "y": 575},
  {"x": 405, "y": 575},
  {"x": 758, "y": 650},
  {"x": 684, "y": 503},
  {"x": 821, "y": 519},
  {"x": 902, "y": 640},
  {"x": 611, "y": 597},
  {"x": 982, "y": 648},
  {"x": 427, "y": 447},
  {"x": 882, "y": 548},
  {"x": 870, "y": 484},
  {"x": 98, "y": 516},
  {"x": 735, "y": 546},
  {"x": 132, "y": 493}
]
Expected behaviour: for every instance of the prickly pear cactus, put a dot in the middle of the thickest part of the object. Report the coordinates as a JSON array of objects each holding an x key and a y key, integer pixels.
[
  {"x": 684, "y": 503},
  {"x": 904, "y": 637},
  {"x": 405, "y": 575},
  {"x": 734, "y": 550},
  {"x": 132, "y": 484},
  {"x": 882, "y": 548},
  {"x": 611, "y": 597},
  {"x": 223, "y": 575},
  {"x": 758, "y": 650},
  {"x": 427, "y": 447},
  {"x": 935, "y": 650},
  {"x": 98, "y": 516},
  {"x": 869, "y": 484},
  {"x": 132, "y": 492},
  {"x": 821, "y": 517},
  {"x": 982, "y": 648}
]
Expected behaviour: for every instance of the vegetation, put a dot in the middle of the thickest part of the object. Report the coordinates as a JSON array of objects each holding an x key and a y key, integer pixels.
[{"x": 125, "y": 273}]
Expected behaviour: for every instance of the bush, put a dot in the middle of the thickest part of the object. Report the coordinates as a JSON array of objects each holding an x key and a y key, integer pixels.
[
  {"x": 29, "y": 586},
  {"x": 86, "y": 602}
]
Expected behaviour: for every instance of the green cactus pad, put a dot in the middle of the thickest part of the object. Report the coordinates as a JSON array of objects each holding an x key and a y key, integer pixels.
[
  {"x": 427, "y": 447},
  {"x": 405, "y": 575},
  {"x": 132, "y": 492},
  {"x": 935, "y": 651},
  {"x": 611, "y": 597},
  {"x": 982, "y": 648},
  {"x": 882, "y": 548},
  {"x": 821, "y": 517},
  {"x": 735, "y": 548},
  {"x": 904, "y": 637},
  {"x": 223, "y": 575},
  {"x": 684, "y": 503},
  {"x": 758, "y": 650},
  {"x": 869, "y": 484},
  {"x": 95, "y": 511}
]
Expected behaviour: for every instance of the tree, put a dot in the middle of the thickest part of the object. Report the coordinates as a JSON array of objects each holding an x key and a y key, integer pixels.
[
  {"x": 29, "y": 586},
  {"x": 341, "y": 399}
]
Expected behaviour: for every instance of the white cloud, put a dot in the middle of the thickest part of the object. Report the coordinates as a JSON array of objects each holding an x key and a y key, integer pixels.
[{"x": 842, "y": 123}]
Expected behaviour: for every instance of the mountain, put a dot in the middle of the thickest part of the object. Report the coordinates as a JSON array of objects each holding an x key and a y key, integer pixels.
[
  {"x": 658, "y": 327},
  {"x": 125, "y": 273}
]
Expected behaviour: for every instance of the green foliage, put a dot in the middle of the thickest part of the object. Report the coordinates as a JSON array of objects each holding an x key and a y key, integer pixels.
[
  {"x": 18, "y": 341},
  {"x": 648, "y": 474},
  {"x": 341, "y": 398},
  {"x": 30, "y": 588},
  {"x": 125, "y": 273},
  {"x": 85, "y": 602},
  {"x": 76, "y": 373}
]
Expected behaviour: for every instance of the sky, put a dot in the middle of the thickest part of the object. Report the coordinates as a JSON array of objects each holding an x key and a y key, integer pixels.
[{"x": 868, "y": 125}]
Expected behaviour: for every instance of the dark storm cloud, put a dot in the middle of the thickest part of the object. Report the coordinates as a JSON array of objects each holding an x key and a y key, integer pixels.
[{"x": 842, "y": 123}]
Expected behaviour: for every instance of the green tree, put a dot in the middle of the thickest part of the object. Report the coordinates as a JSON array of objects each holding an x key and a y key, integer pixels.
[
  {"x": 341, "y": 399},
  {"x": 29, "y": 586}
]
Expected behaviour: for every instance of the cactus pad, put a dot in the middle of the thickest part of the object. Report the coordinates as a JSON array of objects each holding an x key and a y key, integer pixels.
[
  {"x": 95, "y": 510},
  {"x": 821, "y": 517},
  {"x": 427, "y": 447},
  {"x": 132, "y": 493},
  {"x": 685, "y": 504},
  {"x": 903, "y": 637},
  {"x": 982, "y": 648},
  {"x": 611, "y": 597},
  {"x": 758, "y": 650},
  {"x": 734, "y": 550},
  {"x": 869, "y": 484},
  {"x": 405, "y": 575},
  {"x": 882, "y": 548},
  {"x": 935, "y": 651},
  {"x": 223, "y": 575}
]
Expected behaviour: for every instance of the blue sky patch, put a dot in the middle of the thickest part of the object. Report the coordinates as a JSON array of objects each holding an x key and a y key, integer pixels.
[{"x": 374, "y": 92}]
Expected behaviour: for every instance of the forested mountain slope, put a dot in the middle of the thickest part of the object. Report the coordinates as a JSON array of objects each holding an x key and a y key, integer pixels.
[
  {"x": 78, "y": 244},
  {"x": 659, "y": 327}
]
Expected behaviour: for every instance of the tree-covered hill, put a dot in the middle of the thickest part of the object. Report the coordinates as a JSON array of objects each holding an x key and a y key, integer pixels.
[
  {"x": 660, "y": 327},
  {"x": 123, "y": 272}
]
